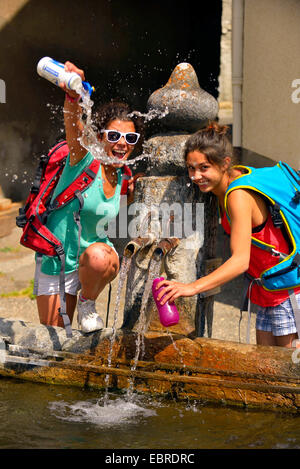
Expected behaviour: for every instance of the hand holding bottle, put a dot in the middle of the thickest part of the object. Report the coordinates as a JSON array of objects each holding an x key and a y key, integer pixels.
[
  {"x": 74, "y": 93},
  {"x": 67, "y": 76},
  {"x": 168, "y": 313}
]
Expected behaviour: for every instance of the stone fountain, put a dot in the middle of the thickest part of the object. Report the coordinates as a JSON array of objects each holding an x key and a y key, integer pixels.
[
  {"x": 178, "y": 363},
  {"x": 173, "y": 206}
]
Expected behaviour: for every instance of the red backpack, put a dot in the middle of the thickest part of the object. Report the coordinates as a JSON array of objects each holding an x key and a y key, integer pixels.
[{"x": 33, "y": 216}]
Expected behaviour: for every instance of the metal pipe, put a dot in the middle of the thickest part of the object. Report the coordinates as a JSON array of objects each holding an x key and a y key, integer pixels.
[
  {"x": 164, "y": 247},
  {"x": 136, "y": 244}
]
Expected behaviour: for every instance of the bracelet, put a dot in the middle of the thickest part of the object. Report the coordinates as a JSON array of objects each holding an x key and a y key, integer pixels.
[{"x": 72, "y": 100}]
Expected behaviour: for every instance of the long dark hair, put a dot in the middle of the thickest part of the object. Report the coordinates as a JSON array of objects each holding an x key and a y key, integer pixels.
[{"x": 212, "y": 141}]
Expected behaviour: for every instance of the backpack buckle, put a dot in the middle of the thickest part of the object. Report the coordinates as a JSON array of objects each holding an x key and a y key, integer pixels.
[
  {"x": 296, "y": 262},
  {"x": 59, "y": 250},
  {"x": 76, "y": 216},
  {"x": 52, "y": 206},
  {"x": 276, "y": 216},
  {"x": 21, "y": 219},
  {"x": 296, "y": 197}
]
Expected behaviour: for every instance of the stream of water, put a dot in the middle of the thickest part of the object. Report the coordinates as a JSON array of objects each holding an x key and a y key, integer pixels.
[
  {"x": 126, "y": 261},
  {"x": 152, "y": 273}
]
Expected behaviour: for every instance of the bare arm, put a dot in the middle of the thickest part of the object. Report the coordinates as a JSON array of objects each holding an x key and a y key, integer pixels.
[
  {"x": 240, "y": 205},
  {"x": 72, "y": 119},
  {"x": 240, "y": 210},
  {"x": 131, "y": 187}
]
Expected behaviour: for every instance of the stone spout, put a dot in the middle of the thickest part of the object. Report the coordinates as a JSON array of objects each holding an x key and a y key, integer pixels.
[
  {"x": 165, "y": 246},
  {"x": 136, "y": 244}
]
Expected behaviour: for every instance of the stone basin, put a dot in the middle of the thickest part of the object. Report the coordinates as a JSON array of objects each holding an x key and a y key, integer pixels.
[{"x": 173, "y": 366}]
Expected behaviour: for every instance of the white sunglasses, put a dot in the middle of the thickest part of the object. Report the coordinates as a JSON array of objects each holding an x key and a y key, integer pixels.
[{"x": 114, "y": 136}]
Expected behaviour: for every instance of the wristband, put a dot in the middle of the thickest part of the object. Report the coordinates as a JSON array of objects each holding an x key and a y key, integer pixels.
[{"x": 72, "y": 100}]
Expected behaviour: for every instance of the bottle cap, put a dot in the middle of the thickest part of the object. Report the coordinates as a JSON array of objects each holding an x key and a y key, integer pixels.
[{"x": 88, "y": 87}]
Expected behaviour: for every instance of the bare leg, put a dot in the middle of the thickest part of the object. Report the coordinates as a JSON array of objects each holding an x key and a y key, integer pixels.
[
  {"x": 286, "y": 340},
  {"x": 98, "y": 265},
  {"x": 48, "y": 306},
  {"x": 267, "y": 338},
  {"x": 264, "y": 338}
]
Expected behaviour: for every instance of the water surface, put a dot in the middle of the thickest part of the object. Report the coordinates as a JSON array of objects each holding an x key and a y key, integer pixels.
[{"x": 38, "y": 416}]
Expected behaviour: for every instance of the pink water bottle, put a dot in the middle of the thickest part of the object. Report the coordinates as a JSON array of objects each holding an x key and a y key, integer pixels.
[{"x": 168, "y": 313}]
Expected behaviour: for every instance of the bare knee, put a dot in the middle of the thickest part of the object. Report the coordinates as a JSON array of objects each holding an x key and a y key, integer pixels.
[{"x": 100, "y": 259}]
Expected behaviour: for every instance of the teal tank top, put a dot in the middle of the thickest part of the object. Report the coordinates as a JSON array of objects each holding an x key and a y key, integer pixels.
[{"x": 95, "y": 215}]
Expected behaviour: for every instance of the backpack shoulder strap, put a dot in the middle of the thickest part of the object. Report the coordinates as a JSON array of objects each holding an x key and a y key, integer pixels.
[
  {"x": 260, "y": 180},
  {"x": 237, "y": 183},
  {"x": 44, "y": 160},
  {"x": 75, "y": 190},
  {"x": 81, "y": 183}
]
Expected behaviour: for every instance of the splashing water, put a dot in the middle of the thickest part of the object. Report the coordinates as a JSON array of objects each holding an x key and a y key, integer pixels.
[
  {"x": 153, "y": 272},
  {"x": 152, "y": 114},
  {"x": 89, "y": 139},
  {"x": 122, "y": 277},
  {"x": 107, "y": 412},
  {"x": 114, "y": 414}
]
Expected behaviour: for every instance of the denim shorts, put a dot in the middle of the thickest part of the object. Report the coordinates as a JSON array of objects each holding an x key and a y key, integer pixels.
[{"x": 278, "y": 319}]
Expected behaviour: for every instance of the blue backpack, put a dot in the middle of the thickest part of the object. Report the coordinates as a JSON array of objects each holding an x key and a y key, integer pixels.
[{"x": 280, "y": 186}]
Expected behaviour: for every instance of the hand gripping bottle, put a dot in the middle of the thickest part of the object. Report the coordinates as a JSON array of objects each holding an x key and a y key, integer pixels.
[
  {"x": 168, "y": 313},
  {"x": 55, "y": 72}
]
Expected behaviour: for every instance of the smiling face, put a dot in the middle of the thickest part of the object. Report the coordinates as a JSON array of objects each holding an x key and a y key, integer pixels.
[
  {"x": 121, "y": 149},
  {"x": 207, "y": 176}
]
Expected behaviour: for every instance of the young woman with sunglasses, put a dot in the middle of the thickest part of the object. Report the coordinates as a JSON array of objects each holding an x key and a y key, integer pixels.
[
  {"x": 208, "y": 155},
  {"x": 98, "y": 260}
]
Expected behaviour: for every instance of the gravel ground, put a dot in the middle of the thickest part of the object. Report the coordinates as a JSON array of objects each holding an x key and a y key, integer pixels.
[{"x": 17, "y": 272}]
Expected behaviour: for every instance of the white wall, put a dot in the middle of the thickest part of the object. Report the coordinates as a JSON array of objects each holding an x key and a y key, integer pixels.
[{"x": 271, "y": 120}]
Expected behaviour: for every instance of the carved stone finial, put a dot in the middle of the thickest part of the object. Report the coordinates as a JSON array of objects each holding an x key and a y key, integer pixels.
[{"x": 189, "y": 106}]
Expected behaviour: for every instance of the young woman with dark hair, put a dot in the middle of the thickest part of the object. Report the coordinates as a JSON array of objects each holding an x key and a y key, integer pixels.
[
  {"x": 209, "y": 156},
  {"x": 119, "y": 132}
]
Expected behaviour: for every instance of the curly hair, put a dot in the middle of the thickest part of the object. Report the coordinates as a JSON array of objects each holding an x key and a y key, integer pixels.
[
  {"x": 212, "y": 141},
  {"x": 117, "y": 110}
]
